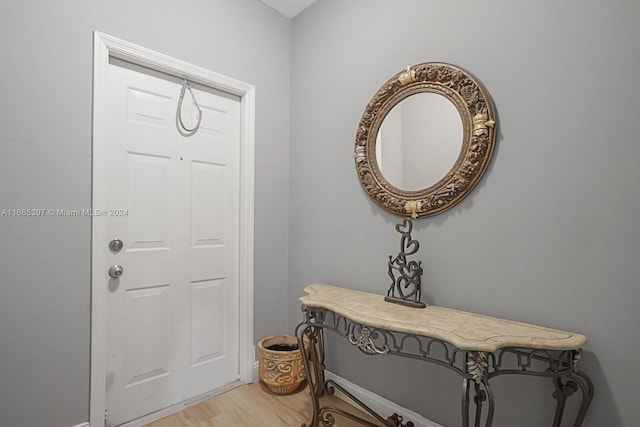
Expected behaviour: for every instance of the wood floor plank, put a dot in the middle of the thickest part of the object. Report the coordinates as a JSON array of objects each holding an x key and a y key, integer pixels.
[{"x": 253, "y": 405}]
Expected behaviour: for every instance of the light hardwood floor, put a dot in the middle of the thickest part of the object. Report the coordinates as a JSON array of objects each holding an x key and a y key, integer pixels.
[{"x": 253, "y": 405}]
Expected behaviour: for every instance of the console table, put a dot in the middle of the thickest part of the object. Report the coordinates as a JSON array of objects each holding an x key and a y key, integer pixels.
[{"x": 479, "y": 348}]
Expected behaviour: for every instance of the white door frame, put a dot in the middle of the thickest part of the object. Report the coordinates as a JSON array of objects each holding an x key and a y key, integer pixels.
[{"x": 106, "y": 46}]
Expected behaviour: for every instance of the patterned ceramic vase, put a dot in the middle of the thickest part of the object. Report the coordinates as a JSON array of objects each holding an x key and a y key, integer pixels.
[{"x": 281, "y": 365}]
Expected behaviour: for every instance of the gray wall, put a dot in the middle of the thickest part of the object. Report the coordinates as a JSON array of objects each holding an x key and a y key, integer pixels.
[
  {"x": 550, "y": 236},
  {"x": 46, "y": 53}
]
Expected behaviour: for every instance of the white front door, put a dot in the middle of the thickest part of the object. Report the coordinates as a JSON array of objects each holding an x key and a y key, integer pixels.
[{"x": 173, "y": 200}]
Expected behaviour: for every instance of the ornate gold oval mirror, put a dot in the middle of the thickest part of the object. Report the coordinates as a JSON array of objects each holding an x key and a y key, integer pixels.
[{"x": 425, "y": 139}]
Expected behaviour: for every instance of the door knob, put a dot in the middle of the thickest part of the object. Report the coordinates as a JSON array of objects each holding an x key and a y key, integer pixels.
[{"x": 115, "y": 271}]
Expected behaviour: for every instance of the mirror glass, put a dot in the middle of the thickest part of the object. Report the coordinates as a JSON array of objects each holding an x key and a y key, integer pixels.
[{"x": 419, "y": 141}]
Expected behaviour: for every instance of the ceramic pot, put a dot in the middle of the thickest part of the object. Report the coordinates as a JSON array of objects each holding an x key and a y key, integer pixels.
[{"x": 281, "y": 365}]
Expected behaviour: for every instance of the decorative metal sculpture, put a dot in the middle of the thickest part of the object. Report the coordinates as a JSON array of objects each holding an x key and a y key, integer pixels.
[{"x": 407, "y": 284}]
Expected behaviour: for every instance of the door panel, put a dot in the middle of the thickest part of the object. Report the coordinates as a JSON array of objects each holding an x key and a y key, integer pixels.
[
  {"x": 147, "y": 334},
  {"x": 207, "y": 341},
  {"x": 207, "y": 204},
  {"x": 172, "y": 317},
  {"x": 148, "y": 107},
  {"x": 148, "y": 204}
]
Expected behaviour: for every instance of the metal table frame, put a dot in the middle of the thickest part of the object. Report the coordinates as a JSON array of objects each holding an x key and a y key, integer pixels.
[{"x": 476, "y": 368}]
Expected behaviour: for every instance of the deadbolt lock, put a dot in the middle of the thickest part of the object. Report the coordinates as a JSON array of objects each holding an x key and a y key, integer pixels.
[{"x": 116, "y": 245}]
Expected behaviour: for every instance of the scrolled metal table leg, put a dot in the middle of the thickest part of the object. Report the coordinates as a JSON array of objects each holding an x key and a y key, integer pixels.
[
  {"x": 466, "y": 382},
  {"x": 480, "y": 397},
  {"x": 586, "y": 388},
  {"x": 310, "y": 341},
  {"x": 476, "y": 369},
  {"x": 562, "y": 391},
  {"x": 565, "y": 387}
]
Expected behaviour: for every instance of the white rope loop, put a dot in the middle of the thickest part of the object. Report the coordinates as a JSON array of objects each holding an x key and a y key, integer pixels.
[{"x": 181, "y": 126}]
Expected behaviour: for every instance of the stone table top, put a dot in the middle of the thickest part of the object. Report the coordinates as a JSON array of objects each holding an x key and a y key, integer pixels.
[{"x": 467, "y": 331}]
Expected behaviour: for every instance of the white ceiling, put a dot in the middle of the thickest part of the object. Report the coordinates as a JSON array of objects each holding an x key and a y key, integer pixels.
[{"x": 289, "y": 8}]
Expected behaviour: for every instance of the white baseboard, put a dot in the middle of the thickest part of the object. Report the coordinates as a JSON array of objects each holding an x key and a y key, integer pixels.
[
  {"x": 83, "y": 425},
  {"x": 379, "y": 404}
]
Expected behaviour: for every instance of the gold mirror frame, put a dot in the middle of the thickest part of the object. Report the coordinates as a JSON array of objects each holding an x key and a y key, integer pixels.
[{"x": 478, "y": 119}]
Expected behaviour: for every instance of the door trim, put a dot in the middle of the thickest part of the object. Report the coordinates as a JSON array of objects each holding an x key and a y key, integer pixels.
[{"x": 106, "y": 46}]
